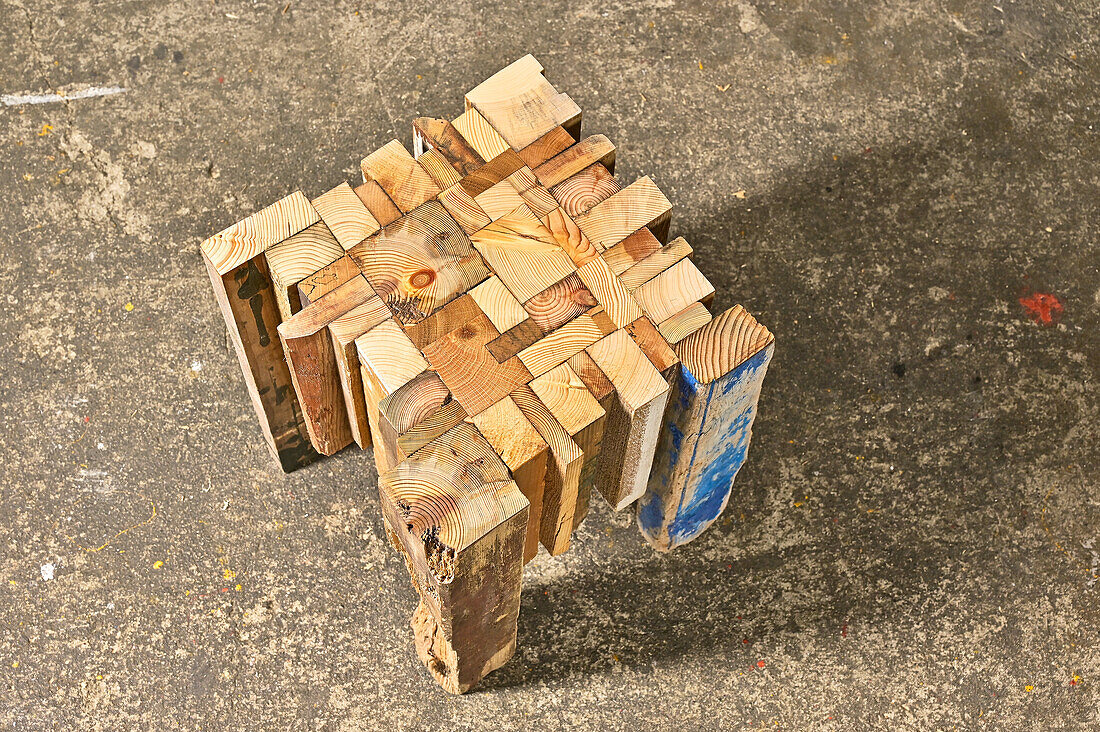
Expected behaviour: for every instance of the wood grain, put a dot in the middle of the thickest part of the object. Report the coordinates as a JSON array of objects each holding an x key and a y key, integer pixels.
[
  {"x": 523, "y": 253},
  {"x": 402, "y": 178},
  {"x": 558, "y": 346},
  {"x": 580, "y": 192},
  {"x": 499, "y": 305},
  {"x": 326, "y": 279},
  {"x": 679, "y": 326},
  {"x": 639, "y": 204},
  {"x": 521, "y": 104},
  {"x": 656, "y": 263},
  {"x": 590, "y": 150},
  {"x": 444, "y": 137},
  {"x": 345, "y": 215},
  {"x": 251, "y": 237},
  {"x": 295, "y": 259},
  {"x": 480, "y": 135},
  {"x": 610, "y": 292},
  {"x": 343, "y": 331},
  {"x": 377, "y": 202},
  {"x": 559, "y": 303},
  {"x": 552, "y": 142},
  {"x": 673, "y": 290},
  {"x": 631, "y": 250}
]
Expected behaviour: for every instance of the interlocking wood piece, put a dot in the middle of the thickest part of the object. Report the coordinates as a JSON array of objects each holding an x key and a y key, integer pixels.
[
  {"x": 521, "y": 104},
  {"x": 634, "y": 423},
  {"x": 656, "y": 263},
  {"x": 464, "y": 209},
  {"x": 679, "y": 326},
  {"x": 310, "y": 355},
  {"x": 509, "y": 343},
  {"x": 559, "y": 303},
  {"x": 499, "y": 200},
  {"x": 344, "y": 330},
  {"x": 450, "y": 317},
  {"x": 630, "y": 251},
  {"x": 402, "y": 178},
  {"x": 417, "y": 413},
  {"x": 439, "y": 169},
  {"x": 555, "y": 141},
  {"x": 326, "y": 279},
  {"x": 480, "y": 135},
  {"x": 442, "y": 136},
  {"x": 377, "y": 202},
  {"x": 673, "y": 290},
  {"x": 709, "y": 426},
  {"x": 492, "y": 172},
  {"x": 523, "y": 253},
  {"x": 655, "y": 348},
  {"x": 460, "y": 522},
  {"x": 245, "y": 295},
  {"x": 610, "y": 292},
  {"x": 563, "y": 475},
  {"x": 604, "y": 393},
  {"x": 525, "y": 453},
  {"x": 298, "y": 257},
  {"x": 345, "y": 215},
  {"x": 579, "y": 193},
  {"x": 498, "y": 304},
  {"x": 555, "y": 348},
  {"x": 420, "y": 262},
  {"x": 639, "y": 204},
  {"x": 590, "y": 150},
  {"x": 473, "y": 375},
  {"x": 569, "y": 237},
  {"x": 538, "y": 199}
]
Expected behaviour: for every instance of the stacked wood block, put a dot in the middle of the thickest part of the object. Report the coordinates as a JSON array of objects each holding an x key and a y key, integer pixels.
[{"x": 512, "y": 330}]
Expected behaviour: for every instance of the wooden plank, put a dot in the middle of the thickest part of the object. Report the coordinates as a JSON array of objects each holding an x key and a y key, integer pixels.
[
  {"x": 525, "y": 453},
  {"x": 538, "y": 199},
  {"x": 708, "y": 427},
  {"x": 609, "y": 292},
  {"x": 634, "y": 422},
  {"x": 523, "y": 253},
  {"x": 559, "y": 303},
  {"x": 493, "y": 172},
  {"x": 498, "y": 304},
  {"x": 639, "y": 204},
  {"x": 554, "y": 141},
  {"x": 326, "y": 279},
  {"x": 251, "y": 237},
  {"x": 420, "y": 262},
  {"x": 654, "y": 346},
  {"x": 460, "y": 522},
  {"x": 246, "y": 299},
  {"x": 579, "y": 193},
  {"x": 464, "y": 209},
  {"x": 417, "y": 413},
  {"x": 470, "y": 371},
  {"x": 444, "y": 137},
  {"x": 656, "y": 263},
  {"x": 590, "y": 150},
  {"x": 450, "y": 317},
  {"x": 343, "y": 331},
  {"x": 673, "y": 290},
  {"x": 402, "y": 178},
  {"x": 679, "y": 326},
  {"x": 377, "y": 202},
  {"x": 499, "y": 200},
  {"x": 291, "y": 261},
  {"x": 521, "y": 104},
  {"x": 515, "y": 339},
  {"x": 313, "y": 368},
  {"x": 569, "y": 237},
  {"x": 439, "y": 169},
  {"x": 345, "y": 215},
  {"x": 563, "y": 475},
  {"x": 480, "y": 135},
  {"x": 590, "y": 442},
  {"x": 631, "y": 250},
  {"x": 559, "y": 346}
]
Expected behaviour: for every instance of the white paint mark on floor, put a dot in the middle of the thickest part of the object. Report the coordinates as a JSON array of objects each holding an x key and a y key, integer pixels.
[
  {"x": 47, "y": 572},
  {"x": 11, "y": 100}
]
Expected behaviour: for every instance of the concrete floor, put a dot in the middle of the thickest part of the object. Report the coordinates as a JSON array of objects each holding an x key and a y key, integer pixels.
[{"x": 911, "y": 545}]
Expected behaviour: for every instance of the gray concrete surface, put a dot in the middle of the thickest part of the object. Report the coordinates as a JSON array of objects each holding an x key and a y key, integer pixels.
[{"x": 911, "y": 545}]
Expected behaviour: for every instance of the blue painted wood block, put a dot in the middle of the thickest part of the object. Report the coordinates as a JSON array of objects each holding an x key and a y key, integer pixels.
[{"x": 707, "y": 427}]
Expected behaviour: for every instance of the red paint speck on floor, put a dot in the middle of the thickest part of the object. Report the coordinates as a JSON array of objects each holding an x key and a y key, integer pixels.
[
  {"x": 760, "y": 664},
  {"x": 844, "y": 631},
  {"x": 1043, "y": 307}
]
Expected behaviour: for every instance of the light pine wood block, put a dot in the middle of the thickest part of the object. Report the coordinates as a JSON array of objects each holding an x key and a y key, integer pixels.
[
  {"x": 673, "y": 290},
  {"x": 639, "y": 204},
  {"x": 480, "y": 135},
  {"x": 345, "y": 215},
  {"x": 569, "y": 162},
  {"x": 402, "y": 178},
  {"x": 523, "y": 253},
  {"x": 709, "y": 424},
  {"x": 296, "y": 258},
  {"x": 499, "y": 305},
  {"x": 521, "y": 104}
]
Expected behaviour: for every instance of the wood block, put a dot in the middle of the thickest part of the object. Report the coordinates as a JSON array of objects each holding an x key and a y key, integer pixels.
[
  {"x": 569, "y": 237},
  {"x": 377, "y": 202},
  {"x": 245, "y": 295},
  {"x": 655, "y": 348},
  {"x": 460, "y": 522},
  {"x": 555, "y": 141},
  {"x": 579, "y": 193},
  {"x": 521, "y": 104},
  {"x": 609, "y": 292},
  {"x": 442, "y": 136},
  {"x": 630, "y": 251},
  {"x": 480, "y": 135},
  {"x": 525, "y": 453},
  {"x": 296, "y": 258},
  {"x": 684, "y": 323},
  {"x": 402, "y": 178},
  {"x": 654, "y": 264},
  {"x": 326, "y": 279},
  {"x": 639, "y": 204},
  {"x": 673, "y": 290},
  {"x": 417, "y": 413},
  {"x": 498, "y": 304},
  {"x": 313, "y": 365},
  {"x": 634, "y": 422},
  {"x": 523, "y": 253},
  {"x": 493, "y": 172},
  {"x": 420, "y": 262},
  {"x": 590, "y": 150},
  {"x": 559, "y": 303},
  {"x": 515, "y": 339},
  {"x": 603, "y": 391},
  {"x": 345, "y": 215},
  {"x": 446, "y": 319},
  {"x": 557, "y": 347},
  {"x": 473, "y": 375},
  {"x": 343, "y": 331},
  {"x": 563, "y": 476},
  {"x": 709, "y": 424},
  {"x": 464, "y": 209},
  {"x": 499, "y": 200},
  {"x": 439, "y": 169}
]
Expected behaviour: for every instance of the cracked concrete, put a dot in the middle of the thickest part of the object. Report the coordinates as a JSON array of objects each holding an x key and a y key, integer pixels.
[{"x": 912, "y": 544}]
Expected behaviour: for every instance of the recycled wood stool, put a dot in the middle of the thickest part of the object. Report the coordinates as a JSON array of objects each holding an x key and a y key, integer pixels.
[{"x": 509, "y": 328}]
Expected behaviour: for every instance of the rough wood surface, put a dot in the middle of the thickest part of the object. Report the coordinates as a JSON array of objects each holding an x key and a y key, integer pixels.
[
  {"x": 445, "y": 138},
  {"x": 296, "y": 258},
  {"x": 521, "y": 104},
  {"x": 639, "y": 204},
  {"x": 345, "y": 215},
  {"x": 402, "y": 178},
  {"x": 344, "y": 330},
  {"x": 673, "y": 290},
  {"x": 326, "y": 279},
  {"x": 523, "y": 253},
  {"x": 480, "y": 135},
  {"x": 679, "y": 326},
  {"x": 579, "y": 193},
  {"x": 590, "y": 150},
  {"x": 250, "y": 237},
  {"x": 377, "y": 202}
]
